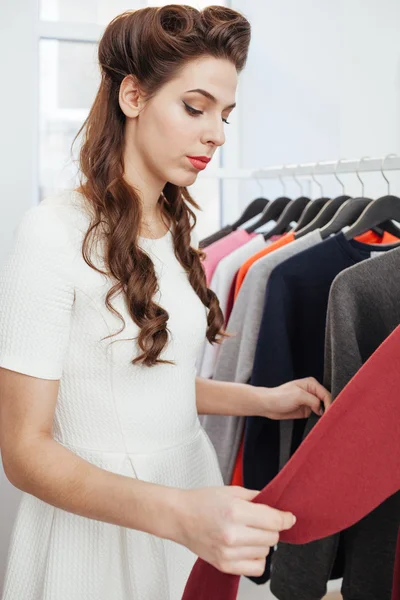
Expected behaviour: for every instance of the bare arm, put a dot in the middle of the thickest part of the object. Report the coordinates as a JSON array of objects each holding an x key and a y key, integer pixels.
[
  {"x": 227, "y": 398},
  {"x": 59, "y": 477},
  {"x": 292, "y": 400}
]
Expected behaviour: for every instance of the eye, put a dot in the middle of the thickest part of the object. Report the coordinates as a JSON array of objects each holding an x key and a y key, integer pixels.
[
  {"x": 191, "y": 110},
  {"x": 194, "y": 112}
]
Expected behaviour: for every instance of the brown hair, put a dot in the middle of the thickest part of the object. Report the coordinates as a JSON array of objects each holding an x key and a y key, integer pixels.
[{"x": 153, "y": 44}]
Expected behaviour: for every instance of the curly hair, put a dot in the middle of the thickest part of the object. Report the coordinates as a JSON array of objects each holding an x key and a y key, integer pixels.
[{"x": 153, "y": 44}]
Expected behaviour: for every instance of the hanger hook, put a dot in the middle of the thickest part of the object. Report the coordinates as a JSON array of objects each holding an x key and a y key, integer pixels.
[
  {"x": 317, "y": 182},
  {"x": 281, "y": 180},
  {"x": 298, "y": 182},
  {"x": 358, "y": 174},
  {"x": 383, "y": 174},
  {"x": 336, "y": 168}
]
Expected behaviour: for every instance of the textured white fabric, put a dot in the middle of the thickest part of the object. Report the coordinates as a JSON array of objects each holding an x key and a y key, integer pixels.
[{"x": 129, "y": 419}]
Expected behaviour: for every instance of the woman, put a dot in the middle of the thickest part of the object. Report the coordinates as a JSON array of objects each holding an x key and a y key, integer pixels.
[{"x": 122, "y": 488}]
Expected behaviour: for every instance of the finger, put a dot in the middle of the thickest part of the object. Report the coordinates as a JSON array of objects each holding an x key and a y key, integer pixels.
[
  {"x": 252, "y": 568},
  {"x": 301, "y": 413},
  {"x": 246, "y": 553},
  {"x": 310, "y": 401},
  {"x": 312, "y": 386},
  {"x": 242, "y": 492},
  {"x": 267, "y": 518},
  {"x": 322, "y": 393},
  {"x": 250, "y": 536}
]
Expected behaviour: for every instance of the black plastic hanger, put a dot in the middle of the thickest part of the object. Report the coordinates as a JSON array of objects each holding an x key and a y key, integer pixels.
[
  {"x": 376, "y": 213},
  {"x": 292, "y": 212},
  {"x": 323, "y": 217},
  {"x": 252, "y": 210},
  {"x": 347, "y": 214},
  {"x": 271, "y": 212},
  {"x": 390, "y": 227},
  {"x": 310, "y": 212}
]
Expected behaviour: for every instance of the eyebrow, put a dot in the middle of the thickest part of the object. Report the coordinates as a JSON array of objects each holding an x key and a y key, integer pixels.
[{"x": 210, "y": 96}]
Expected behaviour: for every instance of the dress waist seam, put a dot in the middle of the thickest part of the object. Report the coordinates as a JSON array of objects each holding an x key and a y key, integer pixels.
[{"x": 123, "y": 451}]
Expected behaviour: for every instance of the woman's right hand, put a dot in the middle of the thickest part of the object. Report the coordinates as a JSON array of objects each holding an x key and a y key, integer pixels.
[{"x": 222, "y": 526}]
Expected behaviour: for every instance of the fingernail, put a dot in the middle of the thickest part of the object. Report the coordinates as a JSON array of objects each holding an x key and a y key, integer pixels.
[{"x": 294, "y": 519}]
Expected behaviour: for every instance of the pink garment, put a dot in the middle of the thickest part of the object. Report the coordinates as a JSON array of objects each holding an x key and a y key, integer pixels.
[{"x": 221, "y": 248}]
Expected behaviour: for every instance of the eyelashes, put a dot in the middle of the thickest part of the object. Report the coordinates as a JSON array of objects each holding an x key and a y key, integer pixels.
[{"x": 193, "y": 111}]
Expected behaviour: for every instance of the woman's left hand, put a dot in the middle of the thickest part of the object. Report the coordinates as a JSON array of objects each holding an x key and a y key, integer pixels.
[{"x": 294, "y": 400}]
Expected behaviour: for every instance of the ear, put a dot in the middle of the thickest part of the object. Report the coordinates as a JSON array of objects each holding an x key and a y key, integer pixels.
[{"x": 130, "y": 99}]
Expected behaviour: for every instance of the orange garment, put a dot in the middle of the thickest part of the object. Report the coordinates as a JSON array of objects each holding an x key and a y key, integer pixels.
[
  {"x": 285, "y": 239},
  {"x": 370, "y": 237}
]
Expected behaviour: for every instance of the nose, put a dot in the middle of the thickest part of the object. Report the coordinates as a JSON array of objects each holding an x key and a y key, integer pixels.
[{"x": 215, "y": 134}]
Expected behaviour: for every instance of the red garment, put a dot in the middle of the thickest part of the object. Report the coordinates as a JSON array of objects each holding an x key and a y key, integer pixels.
[
  {"x": 237, "y": 476},
  {"x": 396, "y": 578},
  {"x": 346, "y": 467}
]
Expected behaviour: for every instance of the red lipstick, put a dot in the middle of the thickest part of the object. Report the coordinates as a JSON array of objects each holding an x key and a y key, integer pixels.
[{"x": 199, "y": 162}]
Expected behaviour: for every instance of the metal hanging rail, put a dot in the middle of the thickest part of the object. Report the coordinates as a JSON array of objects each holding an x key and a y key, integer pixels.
[{"x": 388, "y": 163}]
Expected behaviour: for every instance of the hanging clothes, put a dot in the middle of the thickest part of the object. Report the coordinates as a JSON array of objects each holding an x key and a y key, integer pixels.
[
  {"x": 218, "y": 250},
  {"x": 236, "y": 355},
  {"x": 354, "y": 331},
  {"x": 396, "y": 576},
  {"x": 369, "y": 237},
  {"x": 213, "y": 255},
  {"x": 291, "y": 342},
  {"x": 285, "y": 239},
  {"x": 218, "y": 235},
  {"x": 290, "y": 346},
  {"x": 220, "y": 284},
  {"x": 339, "y": 455}
]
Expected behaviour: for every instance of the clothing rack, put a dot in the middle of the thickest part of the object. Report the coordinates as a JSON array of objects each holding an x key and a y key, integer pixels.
[{"x": 389, "y": 163}]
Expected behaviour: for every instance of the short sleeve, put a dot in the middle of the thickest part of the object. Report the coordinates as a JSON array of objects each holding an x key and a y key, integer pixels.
[{"x": 36, "y": 296}]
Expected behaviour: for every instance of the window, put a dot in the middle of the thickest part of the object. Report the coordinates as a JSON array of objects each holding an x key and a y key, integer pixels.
[{"x": 68, "y": 82}]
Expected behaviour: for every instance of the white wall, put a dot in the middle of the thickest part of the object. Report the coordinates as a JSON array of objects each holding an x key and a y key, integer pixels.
[
  {"x": 18, "y": 174},
  {"x": 322, "y": 82}
]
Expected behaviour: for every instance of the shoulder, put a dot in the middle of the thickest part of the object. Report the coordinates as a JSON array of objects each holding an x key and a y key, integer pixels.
[
  {"x": 46, "y": 232},
  {"x": 42, "y": 225},
  {"x": 54, "y": 221}
]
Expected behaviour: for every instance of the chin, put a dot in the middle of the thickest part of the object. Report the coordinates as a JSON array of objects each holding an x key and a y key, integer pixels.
[{"x": 183, "y": 179}]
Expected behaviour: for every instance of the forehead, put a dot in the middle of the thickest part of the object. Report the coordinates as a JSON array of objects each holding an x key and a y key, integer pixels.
[{"x": 216, "y": 75}]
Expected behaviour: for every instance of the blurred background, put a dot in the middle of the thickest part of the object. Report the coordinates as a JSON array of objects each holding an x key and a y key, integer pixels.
[{"x": 322, "y": 83}]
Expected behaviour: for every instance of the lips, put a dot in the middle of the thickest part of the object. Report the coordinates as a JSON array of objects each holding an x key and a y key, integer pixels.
[
  {"x": 199, "y": 162},
  {"x": 205, "y": 159}
]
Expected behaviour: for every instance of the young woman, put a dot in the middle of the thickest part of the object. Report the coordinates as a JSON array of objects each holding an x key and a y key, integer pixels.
[{"x": 104, "y": 307}]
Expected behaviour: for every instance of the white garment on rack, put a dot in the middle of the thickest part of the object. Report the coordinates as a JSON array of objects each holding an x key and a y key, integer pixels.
[
  {"x": 220, "y": 284},
  {"x": 129, "y": 419}
]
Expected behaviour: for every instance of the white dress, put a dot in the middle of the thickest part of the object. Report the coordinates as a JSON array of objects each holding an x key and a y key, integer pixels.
[{"x": 129, "y": 419}]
